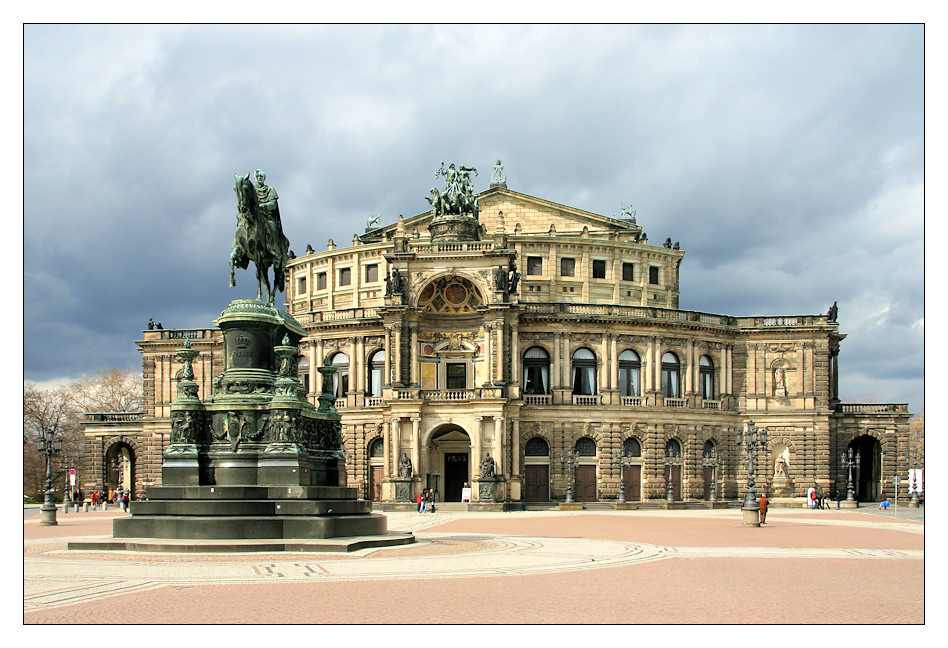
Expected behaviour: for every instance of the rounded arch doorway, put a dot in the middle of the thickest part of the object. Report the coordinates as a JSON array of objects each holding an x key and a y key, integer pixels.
[
  {"x": 450, "y": 458},
  {"x": 120, "y": 468},
  {"x": 867, "y": 474}
]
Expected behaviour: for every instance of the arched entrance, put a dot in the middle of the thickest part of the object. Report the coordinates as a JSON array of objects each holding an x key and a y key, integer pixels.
[
  {"x": 376, "y": 466},
  {"x": 449, "y": 456},
  {"x": 120, "y": 468},
  {"x": 867, "y": 475}
]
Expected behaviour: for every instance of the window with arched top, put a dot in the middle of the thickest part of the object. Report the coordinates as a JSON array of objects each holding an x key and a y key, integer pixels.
[
  {"x": 302, "y": 371},
  {"x": 584, "y": 372},
  {"x": 374, "y": 368},
  {"x": 536, "y": 447},
  {"x": 536, "y": 371},
  {"x": 672, "y": 448},
  {"x": 710, "y": 451},
  {"x": 631, "y": 448},
  {"x": 586, "y": 447},
  {"x": 706, "y": 377},
  {"x": 671, "y": 376},
  {"x": 630, "y": 369},
  {"x": 377, "y": 449},
  {"x": 340, "y": 380}
]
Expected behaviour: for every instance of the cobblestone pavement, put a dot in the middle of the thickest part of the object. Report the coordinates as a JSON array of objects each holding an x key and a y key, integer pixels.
[{"x": 523, "y": 567}]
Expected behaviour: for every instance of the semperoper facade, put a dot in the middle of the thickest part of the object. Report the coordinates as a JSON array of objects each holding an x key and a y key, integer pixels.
[{"x": 516, "y": 346}]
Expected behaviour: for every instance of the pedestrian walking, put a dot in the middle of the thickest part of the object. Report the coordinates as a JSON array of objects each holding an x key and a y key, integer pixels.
[
  {"x": 431, "y": 500},
  {"x": 811, "y": 497},
  {"x": 421, "y": 502},
  {"x": 124, "y": 500},
  {"x": 819, "y": 499},
  {"x": 763, "y": 502},
  {"x": 839, "y": 498}
]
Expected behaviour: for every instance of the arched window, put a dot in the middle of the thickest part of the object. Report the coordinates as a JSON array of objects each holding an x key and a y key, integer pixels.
[
  {"x": 630, "y": 368},
  {"x": 536, "y": 447},
  {"x": 631, "y": 448},
  {"x": 672, "y": 448},
  {"x": 584, "y": 372},
  {"x": 536, "y": 371},
  {"x": 710, "y": 452},
  {"x": 706, "y": 377},
  {"x": 376, "y": 365},
  {"x": 377, "y": 449},
  {"x": 586, "y": 447},
  {"x": 671, "y": 376},
  {"x": 302, "y": 371},
  {"x": 340, "y": 381}
]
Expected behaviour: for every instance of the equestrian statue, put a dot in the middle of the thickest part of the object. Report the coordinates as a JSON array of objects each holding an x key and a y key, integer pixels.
[{"x": 259, "y": 237}]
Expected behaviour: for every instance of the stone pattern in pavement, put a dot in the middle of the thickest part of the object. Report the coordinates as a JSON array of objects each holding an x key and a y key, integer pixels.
[{"x": 532, "y": 567}]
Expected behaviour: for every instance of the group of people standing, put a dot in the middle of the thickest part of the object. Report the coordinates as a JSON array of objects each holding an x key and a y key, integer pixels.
[
  {"x": 426, "y": 501},
  {"x": 118, "y": 496}
]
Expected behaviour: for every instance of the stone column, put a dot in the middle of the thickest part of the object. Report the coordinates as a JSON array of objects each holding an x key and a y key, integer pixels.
[
  {"x": 567, "y": 361},
  {"x": 489, "y": 353},
  {"x": 689, "y": 374},
  {"x": 314, "y": 361},
  {"x": 415, "y": 449},
  {"x": 413, "y": 355},
  {"x": 603, "y": 375},
  {"x": 556, "y": 370},
  {"x": 476, "y": 450},
  {"x": 499, "y": 362},
  {"x": 515, "y": 447},
  {"x": 355, "y": 368},
  {"x": 396, "y": 443},
  {"x": 498, "y": 451},
  {"x": 649, "y": 366},
  {"x": 360, "y": 363},
  {"x": 614, "y": 353},
  {"x": 388, "y": 356},
  {"x": 386, "y": 447},
  {"x": 398, "y": 355},
  {"x": 515, "y": 376}
]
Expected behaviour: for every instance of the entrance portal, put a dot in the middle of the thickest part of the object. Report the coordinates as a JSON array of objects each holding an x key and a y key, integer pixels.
[
  {"x": 450, "y": 454},
  {"x": 120, "y": 468},
  {"x": 455, "y": 475},
  {"x": 867, "y": 477}
]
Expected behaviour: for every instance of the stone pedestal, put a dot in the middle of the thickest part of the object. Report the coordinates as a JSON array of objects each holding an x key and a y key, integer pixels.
[
  {"x": 848, "y": 505},
  {"x": 751, "y": 516},
  {"x": 255, "y": 464},
  {"x": 782, "y": 487},
  {"x": 489, "y": 489},
  {"x": 402, "y": 487}
]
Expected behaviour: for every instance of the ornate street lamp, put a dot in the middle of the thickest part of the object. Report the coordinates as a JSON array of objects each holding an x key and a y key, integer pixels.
[
  {"x": 567, "y": 459},
  {"x": 914, "y": 454},
  {"x": 711, "y": 460},
  {"x": 620, "y": 460},
  {"x": 755, "y": 436},
  {"x": 49, "y": 443},
  {"x": 852, "y": 460}
]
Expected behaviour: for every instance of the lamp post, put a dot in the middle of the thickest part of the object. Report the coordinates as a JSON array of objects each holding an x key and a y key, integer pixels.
[
  {"x": 913, "y": 502},
  {"x": 852, "y": 460},
  {"x": 49, "y": 443},
  {"x": 712, "y": 462},
  {"x": 619, "y": 460},
  {"x": 567, "y": 459},
  {"x": 755, "y": 436},
  {"x": 670, "y": 488}
]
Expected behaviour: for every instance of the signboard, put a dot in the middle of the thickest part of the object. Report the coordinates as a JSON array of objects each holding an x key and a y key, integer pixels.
[
  {"x": 72, "y": 476},
  {"x": 466, "y": 494}
]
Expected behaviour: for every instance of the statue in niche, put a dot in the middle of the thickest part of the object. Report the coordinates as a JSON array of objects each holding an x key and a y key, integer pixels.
[
  {"x": 404, "y": 466},
  {"x": 396, "y": 282},
  {"x": 500, "y": 279},
  {"x": 234, "y": 425},
  {"x": 781, "y": 469},
  {"x": 780, "y": 382},
  {"x": 488, "y": 466}
]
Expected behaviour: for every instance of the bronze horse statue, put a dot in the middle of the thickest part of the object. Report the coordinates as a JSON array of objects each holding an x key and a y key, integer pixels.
[{"x": 258, "y": 239}]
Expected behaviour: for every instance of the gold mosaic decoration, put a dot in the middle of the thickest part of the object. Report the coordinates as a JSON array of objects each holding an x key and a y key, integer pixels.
[{"x": 450, "y": 295}]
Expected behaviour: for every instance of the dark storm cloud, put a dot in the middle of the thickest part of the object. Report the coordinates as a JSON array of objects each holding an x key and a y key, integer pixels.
[{"x": 786, "y": 159}]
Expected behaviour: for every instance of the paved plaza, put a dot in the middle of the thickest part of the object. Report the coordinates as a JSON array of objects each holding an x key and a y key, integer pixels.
[{"x": 535, "y": 567}]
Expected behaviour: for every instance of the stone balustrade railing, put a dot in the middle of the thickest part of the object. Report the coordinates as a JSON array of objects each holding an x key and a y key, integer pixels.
[
  {"x": 114, "y": 417},
  {"x": 871, "y": 408}
]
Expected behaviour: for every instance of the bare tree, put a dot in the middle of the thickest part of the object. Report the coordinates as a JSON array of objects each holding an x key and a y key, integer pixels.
[
  {"x": 109, "y": 391},
  {"x": 48, "y": 411}
]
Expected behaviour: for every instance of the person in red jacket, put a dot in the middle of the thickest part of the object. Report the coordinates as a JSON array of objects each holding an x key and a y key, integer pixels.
[{"x": 762, "y": 502}]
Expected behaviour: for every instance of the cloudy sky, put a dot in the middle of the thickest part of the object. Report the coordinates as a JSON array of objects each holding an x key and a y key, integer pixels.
[{"x": 788, "y": 160}]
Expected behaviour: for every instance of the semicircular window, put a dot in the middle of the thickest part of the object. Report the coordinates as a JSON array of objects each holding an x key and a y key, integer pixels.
[
  {"x": 450, "y": 295},
  {"x": 631, "y": 448},
  {"x": 586, "y": 447},
  {"x": 536, "y": 447}
]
